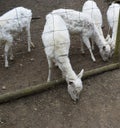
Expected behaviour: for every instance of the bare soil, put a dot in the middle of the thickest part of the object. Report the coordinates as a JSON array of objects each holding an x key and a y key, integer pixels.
[{"x": 99, "y": 104}]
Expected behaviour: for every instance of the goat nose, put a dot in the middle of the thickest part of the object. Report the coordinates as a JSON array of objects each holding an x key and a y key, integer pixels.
[{"x": 77, "y": 99}]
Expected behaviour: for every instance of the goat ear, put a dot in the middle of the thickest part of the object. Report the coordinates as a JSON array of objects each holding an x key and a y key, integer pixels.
[
  {"x": 81, "y": 73},
  {"x": 104, "y": 48}
]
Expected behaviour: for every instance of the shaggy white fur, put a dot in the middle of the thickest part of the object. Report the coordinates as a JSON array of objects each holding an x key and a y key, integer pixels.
[
  {"x": 90, "y": 7},
  {"x": 12, "y": 23},
  {"x": 112, "y": 17},
  {"x": 79, "y": 22},
  {"x": 56, "y": 41}
]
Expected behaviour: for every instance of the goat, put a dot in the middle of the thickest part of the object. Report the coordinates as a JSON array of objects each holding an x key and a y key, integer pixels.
[
  {"x": 79, "y": 22},
  {"x": 56, "y": 40},
  {"x": 11, "y": 24},
  {"x": 90, "y": 7},
  {"x": 112, "y": 17}
]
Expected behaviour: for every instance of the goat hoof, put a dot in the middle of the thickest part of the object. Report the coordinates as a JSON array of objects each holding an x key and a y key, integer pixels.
[
  {"x": 83, "y": 53},
  {"x": 7, "y": 67},
  {"x": 11, "y": 58},
  {"x": 29, "y": 51}
]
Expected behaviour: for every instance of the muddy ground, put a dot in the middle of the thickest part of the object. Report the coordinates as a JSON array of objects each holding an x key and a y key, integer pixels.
[{"x": 99, "y": 104}]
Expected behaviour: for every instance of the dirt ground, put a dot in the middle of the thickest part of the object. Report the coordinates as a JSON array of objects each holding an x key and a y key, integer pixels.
[{"x": 99, "y": 104}]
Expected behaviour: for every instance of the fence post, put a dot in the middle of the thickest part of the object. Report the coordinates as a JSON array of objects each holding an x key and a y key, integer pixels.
[{"x": 117, "y": 44}]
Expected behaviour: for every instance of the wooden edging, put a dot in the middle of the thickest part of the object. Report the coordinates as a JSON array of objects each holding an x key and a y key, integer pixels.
[{"x": 45, "y": 86}]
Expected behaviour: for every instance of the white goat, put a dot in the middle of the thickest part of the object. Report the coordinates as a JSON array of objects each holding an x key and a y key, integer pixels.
[
  {"x": 112, "y": 17},
  {"x": 90, "y": 7},
  {"x": 79, "y": 22},
  {"x": 56, "y": 41},
  {"x": 12, "y": 23}
]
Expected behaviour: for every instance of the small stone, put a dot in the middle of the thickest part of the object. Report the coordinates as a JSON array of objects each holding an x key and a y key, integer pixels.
[
  {"x": 32, "y": 59},
  {"x": 35, "y": 109},
  {"x": 1, "y": 122},
  {"x": 2, "y": 56},
  {"x": 4, "y": 87},
  {"x": 21, "y": 65}
]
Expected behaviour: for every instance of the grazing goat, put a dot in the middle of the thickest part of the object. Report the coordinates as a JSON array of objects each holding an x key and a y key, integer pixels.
[
  {"x": 79, "y": 22},
  {"x": 112, "y": 17},
  {"x": 11, "y": 24},
  {"x": 90, "y": 7},
  {"x": 56, "y": 41}
]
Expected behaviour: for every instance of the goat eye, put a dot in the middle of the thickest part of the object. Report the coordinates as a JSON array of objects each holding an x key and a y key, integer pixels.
[
  {"x": 70, "y": 83},
  {"x": 104, "y": 48}
]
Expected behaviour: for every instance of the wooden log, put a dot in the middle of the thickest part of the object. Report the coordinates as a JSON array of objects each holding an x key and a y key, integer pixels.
[
  {"x": 29, "y": 91},
  {"x": 45, "y": 86},
  {"x": 100, "y": 70}
]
